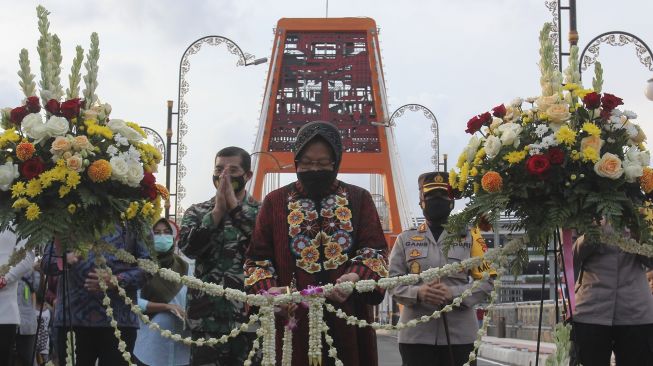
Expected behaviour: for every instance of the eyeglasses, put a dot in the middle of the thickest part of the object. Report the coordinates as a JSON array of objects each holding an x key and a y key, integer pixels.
[{"x": 320, "y": 163}]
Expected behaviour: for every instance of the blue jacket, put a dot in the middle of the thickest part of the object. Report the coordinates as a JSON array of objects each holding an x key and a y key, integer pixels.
[{"x": 86, "y": 309}]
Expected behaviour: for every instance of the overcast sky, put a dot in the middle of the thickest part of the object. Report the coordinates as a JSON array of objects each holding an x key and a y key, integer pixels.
[{"x": 458, "y": 58}]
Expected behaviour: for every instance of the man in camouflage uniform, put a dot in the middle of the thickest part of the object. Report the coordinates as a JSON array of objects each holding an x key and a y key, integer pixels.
[{"x": 216, "y": 233}]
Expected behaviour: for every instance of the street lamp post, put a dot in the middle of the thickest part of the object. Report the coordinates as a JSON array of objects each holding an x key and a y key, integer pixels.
[
  {"x": 244, "y": 59},
  {"x": 279, "y": 166}
]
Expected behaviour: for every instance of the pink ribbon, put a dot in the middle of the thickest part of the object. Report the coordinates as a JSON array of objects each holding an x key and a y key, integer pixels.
[{"x": 568, "y": 253}]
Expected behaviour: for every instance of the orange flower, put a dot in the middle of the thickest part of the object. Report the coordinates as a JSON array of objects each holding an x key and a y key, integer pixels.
[
  {"x": 99, "y": 171},
  {"x": 332, "y": 250},
  {"x": 310, "y": 254},
  {"x": 646, "y": 180},
  {"x": 343, "y": 213},
  {"x": 492, "y": 182},
  {"x": 163, "y": 191},
  {"x": 25, "y": 151},
  {"x": 295, "y": 217}
]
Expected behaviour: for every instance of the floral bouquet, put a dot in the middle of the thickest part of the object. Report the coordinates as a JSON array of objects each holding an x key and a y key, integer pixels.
[
  {"x": 566, "y": 159},
  {"x": 66, "y": 169}
]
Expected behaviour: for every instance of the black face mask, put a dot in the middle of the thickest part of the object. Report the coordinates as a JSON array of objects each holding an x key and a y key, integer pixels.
[
  {"x": 238, "y": 183},
  {"x": 437, "y": 211},
  {"x": 316, "y": 182}
]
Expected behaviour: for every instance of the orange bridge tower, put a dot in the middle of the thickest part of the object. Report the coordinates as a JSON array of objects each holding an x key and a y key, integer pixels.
[{"x": 330, "y": 69}]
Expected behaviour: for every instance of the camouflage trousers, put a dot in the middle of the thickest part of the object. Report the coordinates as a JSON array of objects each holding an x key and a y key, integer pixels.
[{"x": 233, "y": 352}]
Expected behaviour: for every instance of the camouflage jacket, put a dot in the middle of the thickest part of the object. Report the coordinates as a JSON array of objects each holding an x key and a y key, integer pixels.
[{"x": 219, "y": 252}]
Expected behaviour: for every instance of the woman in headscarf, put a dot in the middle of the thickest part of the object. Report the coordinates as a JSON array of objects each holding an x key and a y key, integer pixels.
[
  {"x": 164, "y": 302},
  {"x": 315, "y": 231}
]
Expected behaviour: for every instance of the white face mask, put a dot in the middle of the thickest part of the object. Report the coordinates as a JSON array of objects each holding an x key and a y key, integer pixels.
[{"x": 163, "y": 242}]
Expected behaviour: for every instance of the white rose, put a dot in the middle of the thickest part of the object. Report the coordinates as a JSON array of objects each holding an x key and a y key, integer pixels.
[
  {"x": 543, "y": 103},
  {"x": 492, "y": 146},
  {"x": 134, "y": 174},
  {"x": 8, "y": 173},
  {"x": 609, "y": 166},
  {"x": 131, "y": 134},
  {"x": 116, "y": 125},
  {"x": 496, "y": 122},
  {"x": 512, "y": 114},
  {"x": 644, "y": 158},
  {"x": 56, "y": 126},
  {"x": 632, "y": 171},
  {"x": 517, "y": 102},
  {"x": 472, "y": 148},
  {"x": 509, "y": 138},
  {"x": 34, "y": 127},
  {"x": 119, "y": 169}
]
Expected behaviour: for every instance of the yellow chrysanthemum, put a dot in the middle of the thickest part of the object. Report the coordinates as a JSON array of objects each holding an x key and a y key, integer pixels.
[
  {"x": 72, "y": 179},
  {"x": 452, "y": 177},
  {"x": 18, "y": 189},
  {"x": 581, "y": 93},
  {"x": 515, "y": 157},
  {"x": 132, "y": 210},
  {"x": 20, "y": 203},
  {"x": 480, "y": 155},
  {"x": 571, "y": 86},
  {"x": 590, "y": 154},
  {"x": 461, "y": 160},
  {"x": 33, "y": 212},
  {"x": 464, "y": 174},
  {"x": 592, "y": 129},
  {"x": 93, "y": 129},
  {"x": 25, "y": 150},
  {"x": 575, "y": 155},
  {"x": 72, "y": 208},
  {"x": 566, "y": 135},
  {"x": 63, "y": 191},
  {"x": 147, "y": 208},
  {"x": 99, "y": 171},
  {"x": 33, "y": 188},
  {"x": 8, "y": 136}
]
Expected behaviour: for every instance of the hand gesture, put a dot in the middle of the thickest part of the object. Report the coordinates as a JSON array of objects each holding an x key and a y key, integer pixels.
[
  {"x": 92, "y": 282},
  {"x": 177, "y": 311},
  {"x": 340, "y": 296},
  {"x": 434, "y": 293},
  {"x": 220, "y": 202},
  {"x": 229, "y": 194}
]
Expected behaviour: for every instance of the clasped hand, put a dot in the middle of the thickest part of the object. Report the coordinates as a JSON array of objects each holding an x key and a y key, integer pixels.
[
  {"x": 225, "y": 197},
  {"x": 434, "y": 293}
]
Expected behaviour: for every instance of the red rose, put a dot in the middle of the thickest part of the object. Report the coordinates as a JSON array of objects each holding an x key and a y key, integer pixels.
[
  {"x": 473, "y": 125},
  {"x": 148, "y": 180},
  {"x": 486, "y": 118},
  {"x": 32, "y": 168},
  {"x": 17, "y": 114},
  {"x": 53, "y": 107},
  {"x": 71, "y": 108},
  {"x": 499, "y": 111},
  {"x": 33, "y": 105},
  {"x": 592, "y": 100},
  {"x": 556, "y": 156},
  {"x": 538, "y": 164},
  {"x": 611, "y": 102},
  {"x": 147, "y": 184}
]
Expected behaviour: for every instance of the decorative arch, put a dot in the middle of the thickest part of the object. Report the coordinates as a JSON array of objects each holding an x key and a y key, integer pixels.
[
  {"x": 615, "y": 38},
  {"x": 435, "y": 143},
  {"x": 244, "y": 59}
]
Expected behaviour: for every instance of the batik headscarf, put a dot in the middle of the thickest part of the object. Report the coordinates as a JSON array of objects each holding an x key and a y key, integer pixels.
[
  {"x": 327, "y": 131},
  {"x": 317, "y": 183}
]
